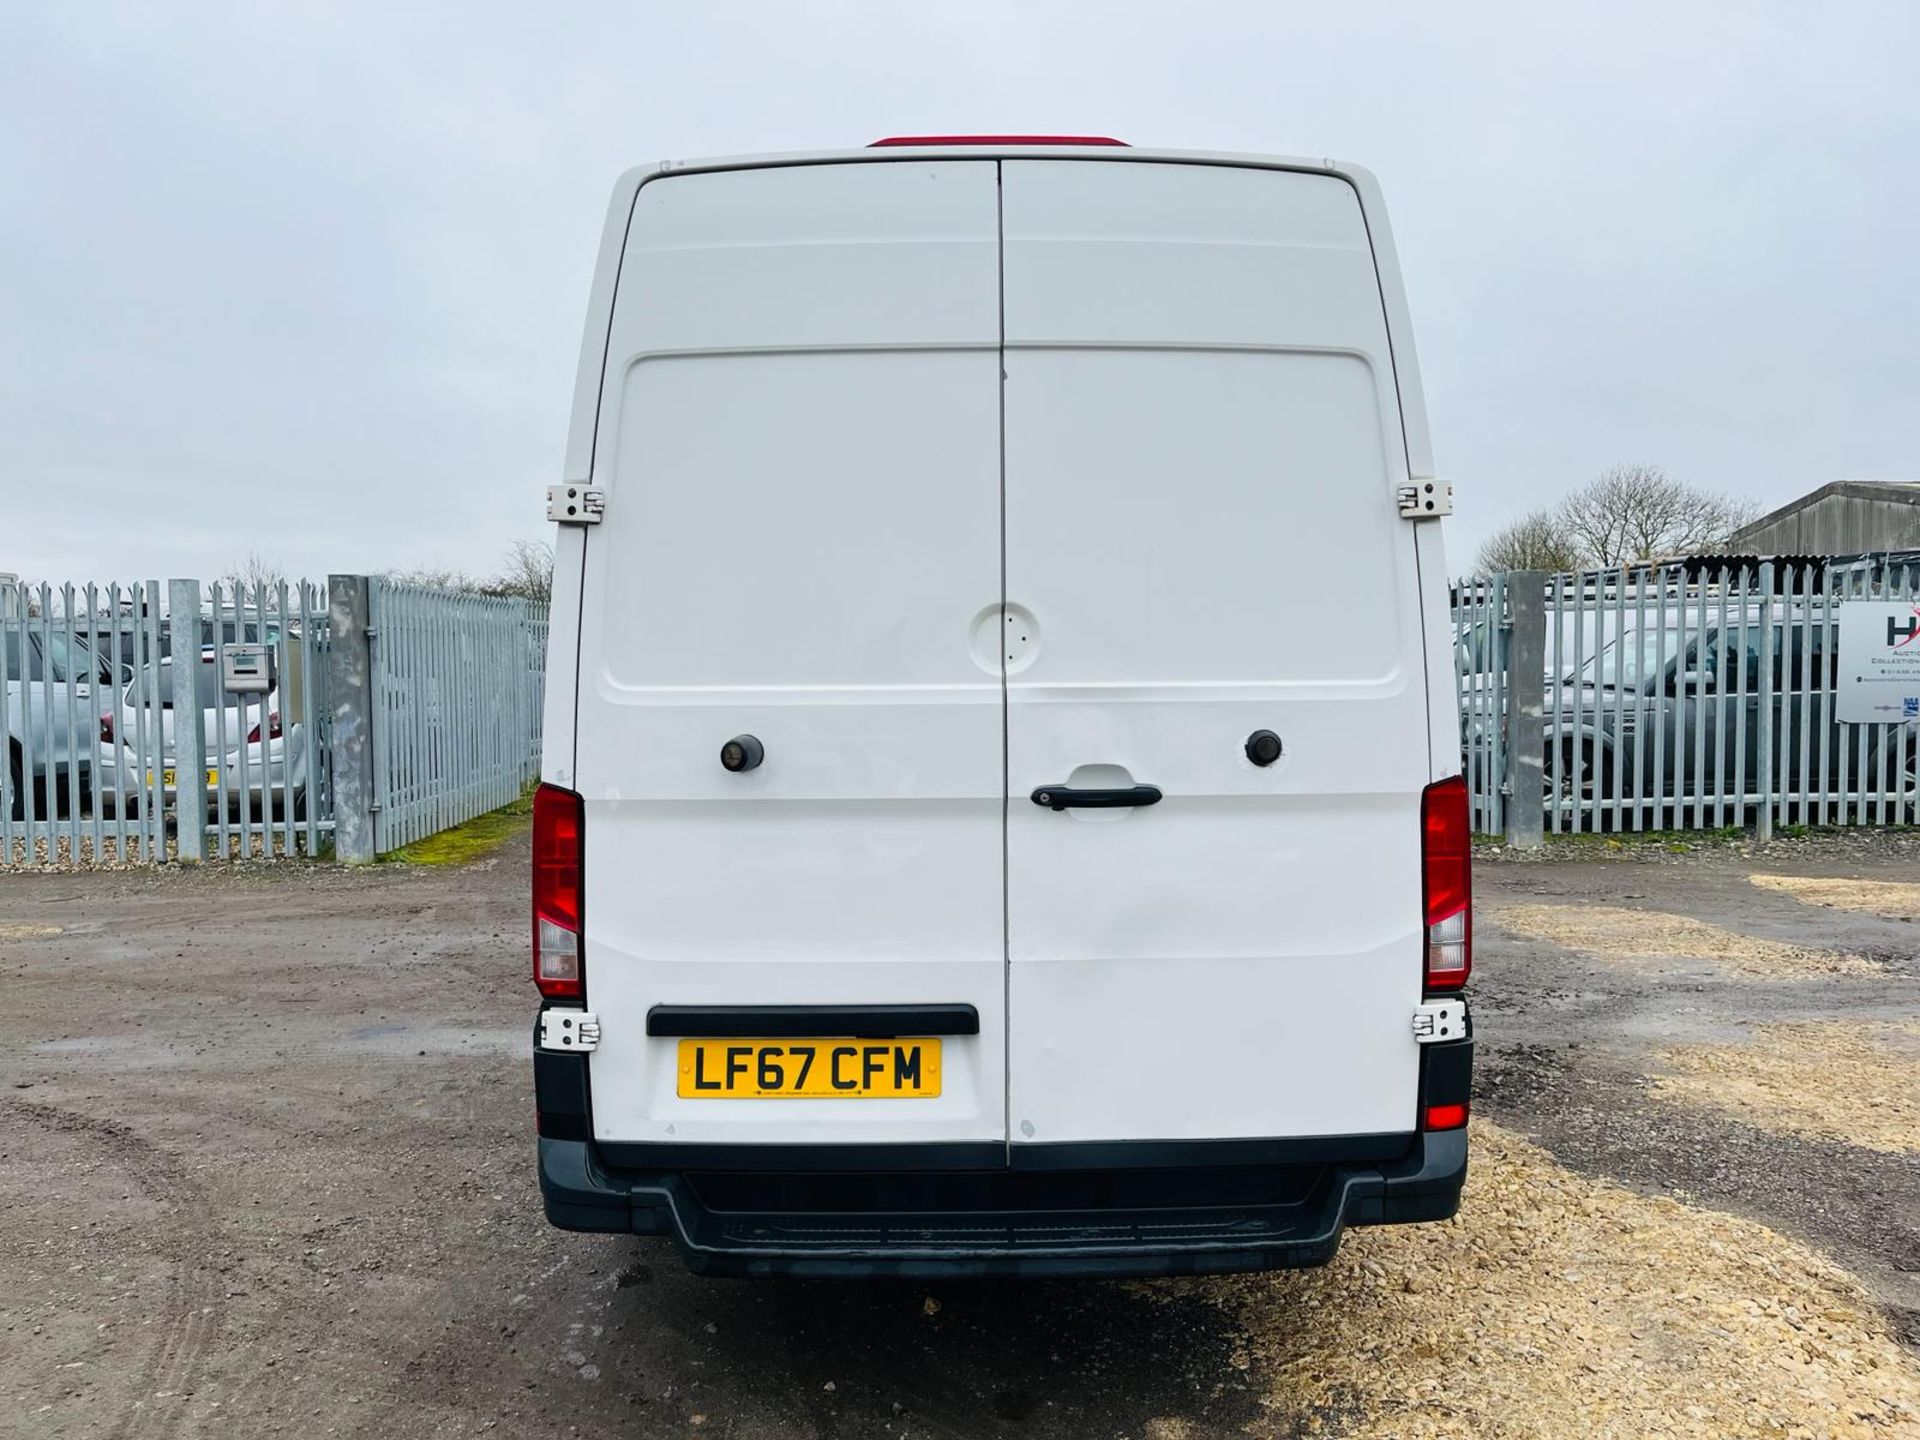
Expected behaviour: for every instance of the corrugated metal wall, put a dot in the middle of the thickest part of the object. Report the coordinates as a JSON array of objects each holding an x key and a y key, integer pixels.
[{"x": 1840, "y": 524}]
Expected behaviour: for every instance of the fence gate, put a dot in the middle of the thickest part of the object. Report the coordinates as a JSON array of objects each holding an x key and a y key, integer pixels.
[
  {"x": 124, "y": 742},
  {"x": 455, "y": 692}
]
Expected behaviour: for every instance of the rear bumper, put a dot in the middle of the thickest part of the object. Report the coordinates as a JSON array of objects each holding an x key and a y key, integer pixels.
[
  {"x": 118, "y": 775},
  {"x": 968, "y": 1222},
  {"x": 944, "y": 1243}
]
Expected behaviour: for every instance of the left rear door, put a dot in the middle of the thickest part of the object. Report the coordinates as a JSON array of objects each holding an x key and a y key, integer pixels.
[{"x": 800, "y": 443}]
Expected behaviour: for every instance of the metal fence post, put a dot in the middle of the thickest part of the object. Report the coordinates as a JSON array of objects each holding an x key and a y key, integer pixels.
[
  {"x": 189, "y": 721},
  {"x": 1769, "y": 696},
  {"x": 1526, "y": 707},
  {"x": 350, "y": 693}
]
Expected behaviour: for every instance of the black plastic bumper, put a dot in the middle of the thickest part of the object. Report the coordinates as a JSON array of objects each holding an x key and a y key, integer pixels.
[
  {"x": 936, "y": 1242},
  {"x": 769, "y": 1211}
]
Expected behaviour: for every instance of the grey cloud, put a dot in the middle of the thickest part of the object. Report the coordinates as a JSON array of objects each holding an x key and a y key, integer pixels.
[{"x": 321, "y": 273}]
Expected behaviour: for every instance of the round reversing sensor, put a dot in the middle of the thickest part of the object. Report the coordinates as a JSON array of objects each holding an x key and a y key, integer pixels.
[
  {"x": 1263, "y": 747},
  {"x": 743, "y": 752}
]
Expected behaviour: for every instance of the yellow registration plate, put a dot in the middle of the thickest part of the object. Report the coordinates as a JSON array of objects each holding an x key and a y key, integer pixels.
[
  {"x": 166, "y": 778},
  {"x": 809, "y": 1069}
]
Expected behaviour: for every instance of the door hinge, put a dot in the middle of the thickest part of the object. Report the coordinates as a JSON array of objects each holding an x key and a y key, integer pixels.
[
  {"x": 1426, "y": 500},
  {"x": 1436, "y": 1020},
  {"x": 569, "y": 1030},
  {"x": 575, "y": 505}
]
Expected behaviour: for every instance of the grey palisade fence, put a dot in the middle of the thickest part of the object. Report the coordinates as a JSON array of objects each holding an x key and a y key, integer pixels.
[
  {"x": 1695, "y": 695},
  {"x": 436, "y": 708},
  {"x": 388, "y": 712}
]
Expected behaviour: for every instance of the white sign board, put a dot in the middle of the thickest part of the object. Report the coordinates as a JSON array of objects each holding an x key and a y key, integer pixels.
[{"x": 1879, "y": 666}]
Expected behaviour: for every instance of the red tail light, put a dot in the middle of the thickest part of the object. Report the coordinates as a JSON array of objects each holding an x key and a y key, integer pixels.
[
  {"x": 106, "y": 728},
  {"x": 273, "y": 729},
  {"x": 997, "y": 140},
  {"x": 559, "y": 861},
  {"x": 1446, "y": 853},
  {"x": 1445, "y": 1117}
]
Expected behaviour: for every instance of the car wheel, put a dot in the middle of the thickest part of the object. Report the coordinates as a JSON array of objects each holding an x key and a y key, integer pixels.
[
  {"x": 1581, "y": 785},
  {"x": 16, "y": 784}
]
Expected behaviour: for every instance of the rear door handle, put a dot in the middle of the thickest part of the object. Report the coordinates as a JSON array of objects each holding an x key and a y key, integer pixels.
[{"x": 1062, "y": 797}]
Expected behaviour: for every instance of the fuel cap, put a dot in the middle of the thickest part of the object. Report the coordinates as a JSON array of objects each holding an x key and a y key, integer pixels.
[
  {"x": 743, "y": 752},
  {"x": 1263, "y": 747}
]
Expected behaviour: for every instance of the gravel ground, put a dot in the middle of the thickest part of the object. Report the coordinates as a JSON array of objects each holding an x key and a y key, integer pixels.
[
  {"x": 1889, "y": 899},
  {"x": 1831, "y": 1079},
  {"x": 265, "y": 1163},
  {"x": 1618, "y": 933},
  {"x": 1576, "y": 1303}
]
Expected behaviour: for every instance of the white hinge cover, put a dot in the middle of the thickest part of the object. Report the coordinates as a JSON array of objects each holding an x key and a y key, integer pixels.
[
  {"x": 1426, "y": 500},
  {"x": 1436, "y": 1020},
  {"x": 569, "y": 1030},
  {"x": 575, "y": 505}
]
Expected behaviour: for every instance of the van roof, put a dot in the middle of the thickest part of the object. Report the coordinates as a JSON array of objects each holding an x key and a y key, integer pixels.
[{"x": 1017, "y": 147}]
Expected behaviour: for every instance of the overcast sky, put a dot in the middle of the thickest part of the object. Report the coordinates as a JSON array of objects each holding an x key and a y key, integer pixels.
[{"x": 309, "y": 280}]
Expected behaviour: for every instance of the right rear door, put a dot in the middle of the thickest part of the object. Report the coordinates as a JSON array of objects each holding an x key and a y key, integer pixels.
[{"x": 1202, "y": 445}]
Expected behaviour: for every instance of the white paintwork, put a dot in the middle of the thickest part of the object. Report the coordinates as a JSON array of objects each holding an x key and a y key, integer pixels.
[
  {"x": 1201, "y": 512},
  {"x": 800, "y": 444},
  {"x": 795, "y": 410}
]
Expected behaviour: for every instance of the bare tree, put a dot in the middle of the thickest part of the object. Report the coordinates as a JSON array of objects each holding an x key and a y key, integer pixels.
[
  {"x": 436, "y": 577},
  {"x": 251, "y": 573},
  {"x": 27, "y": 598},
  {"x": 527, "y": 573},
  {"x": 1536, "y": 541},
  {"x": 1639, "y": 512}
]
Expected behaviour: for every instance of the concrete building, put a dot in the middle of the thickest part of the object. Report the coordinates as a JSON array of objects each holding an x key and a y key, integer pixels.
[{"x": 1848, "y": 517}]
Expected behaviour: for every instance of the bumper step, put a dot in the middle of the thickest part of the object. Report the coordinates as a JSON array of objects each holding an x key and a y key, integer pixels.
[
  {"x": 935, "y": 1234},
  {"x": 934, "y": 1242}
]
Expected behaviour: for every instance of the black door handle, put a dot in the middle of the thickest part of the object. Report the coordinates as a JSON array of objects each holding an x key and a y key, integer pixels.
[{"x": 1061, "y": 797}]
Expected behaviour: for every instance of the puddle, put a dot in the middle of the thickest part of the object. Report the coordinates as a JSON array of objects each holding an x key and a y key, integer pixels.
[
  {"x": 126, "y": 1052},
  {"x": 434, "y": 1040}
]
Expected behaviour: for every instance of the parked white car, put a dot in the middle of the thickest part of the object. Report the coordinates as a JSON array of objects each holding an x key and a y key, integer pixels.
[
  {"x": 986, "y": 828},
  {"x": 49, "y": 741},
  {"x": 252, "y": 772}
]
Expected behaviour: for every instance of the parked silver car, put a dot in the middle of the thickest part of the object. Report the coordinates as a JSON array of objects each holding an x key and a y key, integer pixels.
[{"x": 49, "y": 729}]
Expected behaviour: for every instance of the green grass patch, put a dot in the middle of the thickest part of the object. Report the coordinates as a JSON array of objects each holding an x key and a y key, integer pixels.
[
  {"x": 1676, "y": 841},
  {"x": 1681, "y": 842},
  {"x": 477, "y": 838}
]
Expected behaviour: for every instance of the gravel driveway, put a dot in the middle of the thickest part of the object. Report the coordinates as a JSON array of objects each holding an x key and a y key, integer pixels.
[{"x": 265, "y": 1169}]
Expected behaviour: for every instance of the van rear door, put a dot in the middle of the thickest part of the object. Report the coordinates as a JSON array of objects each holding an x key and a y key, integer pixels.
[
  {"x": 799, "y": 437},
  {"x": 1202, "y": 447}
]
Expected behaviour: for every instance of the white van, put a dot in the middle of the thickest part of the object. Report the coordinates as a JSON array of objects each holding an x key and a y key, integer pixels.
[{"x": 1001, "y": 806}]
